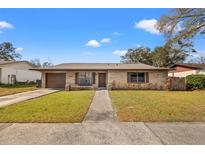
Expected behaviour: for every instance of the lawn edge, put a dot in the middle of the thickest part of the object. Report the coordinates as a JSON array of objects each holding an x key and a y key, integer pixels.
[
  {"x": 88, "y": 107},
  {"x": 29, "y": 99},
  {"x": 18, "y": 93},
  {"x": 114, "y": 108},
  {"x": 80, "y": 122}
]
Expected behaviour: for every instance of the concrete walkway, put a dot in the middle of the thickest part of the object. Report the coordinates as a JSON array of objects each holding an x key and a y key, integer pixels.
[
  {"x": 16, "y": 98},
  {"x": 81, "y": 133},
  {"x": 100, "y": 126},
  {"x": 101, "y": 109},
  {"x": 103, "y": 133}
]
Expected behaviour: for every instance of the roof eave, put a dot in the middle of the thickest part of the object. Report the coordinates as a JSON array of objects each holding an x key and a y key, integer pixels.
[
  {"x": 184, "y": 65},
  {"x": 80, "y": 69}
]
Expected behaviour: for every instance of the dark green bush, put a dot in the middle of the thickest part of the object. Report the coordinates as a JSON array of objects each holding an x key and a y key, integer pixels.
[
  {"x": 18, "y": 85},
  {"x": 196, "y": 81}
]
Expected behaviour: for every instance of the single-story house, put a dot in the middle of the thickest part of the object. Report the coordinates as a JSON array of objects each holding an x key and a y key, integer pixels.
[
  {"x": 182, "y": 70},
  {"x": 103, "y": 75},
  {"x": 12, "y": 71}
]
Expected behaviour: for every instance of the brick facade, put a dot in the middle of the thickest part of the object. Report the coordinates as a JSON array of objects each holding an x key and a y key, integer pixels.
[
  {"x": 118, "y": 80},
  {"x": 114, "y": 79}
]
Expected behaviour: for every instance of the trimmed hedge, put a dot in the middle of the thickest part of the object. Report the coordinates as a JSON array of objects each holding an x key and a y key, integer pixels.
[{"x": 194, "y": 82}]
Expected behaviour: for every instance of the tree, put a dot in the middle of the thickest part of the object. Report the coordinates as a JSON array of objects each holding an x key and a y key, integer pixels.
[
  {"x": 37, "y": 63},
  {"x": 202, "y": 59},
  {"x": 182, "y": 25},
  {"x": 8, "y": 52},
  {"x": 136, "y": 55},
  {"x": 162, "y": 56},
  {"x": 198, "y": 58},
  {"x": 165, "y": 56},
  {"x": 47, "y": 64}
]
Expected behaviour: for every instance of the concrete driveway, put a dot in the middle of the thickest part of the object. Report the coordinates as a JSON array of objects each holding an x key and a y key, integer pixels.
[
  {"x": 101, "y": 126},
  {"x": 19, "y": 97}
]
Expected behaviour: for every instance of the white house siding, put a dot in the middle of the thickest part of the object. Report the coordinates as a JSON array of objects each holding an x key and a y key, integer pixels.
[
  {"x": 21, "y": 75},
  {"x": 186, "y": 73}
]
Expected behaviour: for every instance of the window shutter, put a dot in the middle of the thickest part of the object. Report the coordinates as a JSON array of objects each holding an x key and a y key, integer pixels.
[
  {"x": 76, "y": 77},
  {"x": 147, "y": 77},
  {"x": 93, "y": 75},
  {"x": 128, "y": 77}
]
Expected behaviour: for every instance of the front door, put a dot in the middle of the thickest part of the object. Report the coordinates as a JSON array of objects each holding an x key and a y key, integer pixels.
[{"x": 102, "y": 80}]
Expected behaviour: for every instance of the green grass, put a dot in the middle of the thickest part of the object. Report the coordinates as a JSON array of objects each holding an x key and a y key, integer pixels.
[
  {"x": 13, "y": 90},
  {"x": 160, "y": 106},
  {"x": 57, "y": 107}
]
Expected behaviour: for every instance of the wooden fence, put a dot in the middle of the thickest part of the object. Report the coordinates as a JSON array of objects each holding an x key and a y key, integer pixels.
[{"x": 176, "y": 83}]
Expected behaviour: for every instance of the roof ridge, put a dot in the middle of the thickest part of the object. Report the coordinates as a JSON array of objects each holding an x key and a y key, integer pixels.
[{"x": 11, "y": 62}]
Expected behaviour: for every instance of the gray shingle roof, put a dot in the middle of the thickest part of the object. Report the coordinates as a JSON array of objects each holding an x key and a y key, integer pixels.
[
  {"x": 5, "y": 62},
  {"x": 101, "y": 66}
]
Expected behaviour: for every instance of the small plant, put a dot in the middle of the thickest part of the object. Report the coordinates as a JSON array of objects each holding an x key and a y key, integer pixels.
[{"x": 194, "y": 82}]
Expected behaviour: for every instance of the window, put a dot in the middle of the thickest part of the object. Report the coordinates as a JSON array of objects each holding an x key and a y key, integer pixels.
[
  {"x": 85, "y": 78},
  {"x": 141, "y": 77},
  {"x": 138, "y": 77},
  {"x": 133, "y": 77},
  {"x": 12, "y": 79}
]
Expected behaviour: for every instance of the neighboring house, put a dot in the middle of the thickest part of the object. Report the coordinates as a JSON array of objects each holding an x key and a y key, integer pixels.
[
  {"x": 182, "y": 70},
  {"x": 12, "y": 71},
  {"x": 103, "y": 75}
]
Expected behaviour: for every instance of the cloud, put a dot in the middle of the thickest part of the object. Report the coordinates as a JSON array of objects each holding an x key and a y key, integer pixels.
[
  {"x": 116, "y": 33},
  {"x": 4, "y": 25},
  {"x": 198, "y": 54},
  {"x": 176, "y": 29},
  {"x": 19, "y": 49},
  {"x": 120, "y": 52},
  {"x": 88, "y": 53},
  {"x": 138, "y": 45},
  {"x": 105, "y": 40},
  {"x": 148, "y": 26},
  {"x": 93, "y": 43}
]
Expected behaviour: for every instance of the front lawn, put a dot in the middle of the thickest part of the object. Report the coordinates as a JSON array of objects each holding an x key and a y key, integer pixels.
[
  {"x": 160, "y": 106},
  {"x": 13, "y": 90},
  {"x": 57, "y": 107}
]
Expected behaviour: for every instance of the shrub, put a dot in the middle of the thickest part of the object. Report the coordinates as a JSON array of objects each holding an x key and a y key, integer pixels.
[
  {"x": 18, "y": 84},
  {"x": 194, "y": 82}
]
